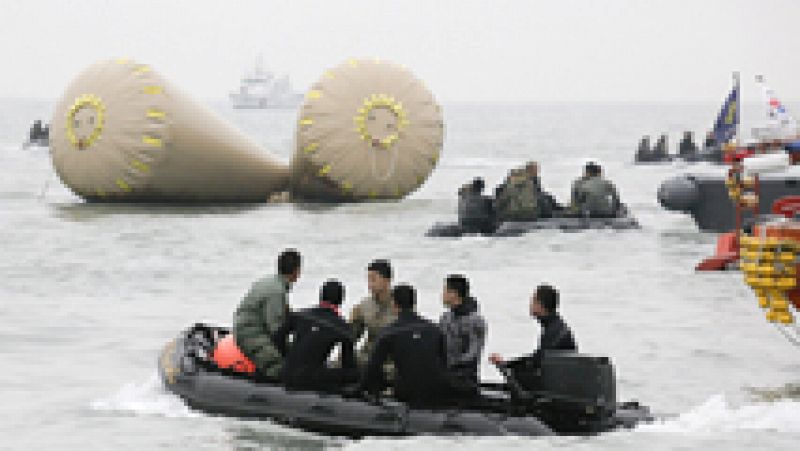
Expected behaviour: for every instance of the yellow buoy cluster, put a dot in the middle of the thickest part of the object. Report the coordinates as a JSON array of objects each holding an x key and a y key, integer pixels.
[{"x": 769, "y": 265}]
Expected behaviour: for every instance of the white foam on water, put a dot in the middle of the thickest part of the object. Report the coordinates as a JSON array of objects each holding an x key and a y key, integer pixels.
[
  {"x": 718, "y": 415},
  {"x": 145, "y": 398}
]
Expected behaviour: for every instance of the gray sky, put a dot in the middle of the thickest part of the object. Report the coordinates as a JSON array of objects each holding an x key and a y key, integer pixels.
[{"x": 566, "y": 50}]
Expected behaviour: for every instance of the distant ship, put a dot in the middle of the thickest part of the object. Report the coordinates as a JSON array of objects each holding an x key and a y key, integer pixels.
[{"x": 262, "y": 89}]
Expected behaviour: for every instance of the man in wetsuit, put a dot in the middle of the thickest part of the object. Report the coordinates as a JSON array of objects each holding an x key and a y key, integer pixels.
[
  {"x": 555, "y": 334},
  {"x": 262, "y": 312},
  {"x": 475, "y": 210},
  {"x": 417, "y": 347},
  {"x": 315, "y": 332}
]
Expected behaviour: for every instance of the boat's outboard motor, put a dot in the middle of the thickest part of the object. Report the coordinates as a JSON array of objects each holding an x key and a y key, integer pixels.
[
  {"x": 679, "y": 194},
  {"x": 573, "y": 392}
]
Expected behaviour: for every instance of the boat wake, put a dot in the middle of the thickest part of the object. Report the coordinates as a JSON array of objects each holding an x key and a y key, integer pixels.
[
  {"x": 145, "y": 398},
  {"x": 719, "y": 415}
]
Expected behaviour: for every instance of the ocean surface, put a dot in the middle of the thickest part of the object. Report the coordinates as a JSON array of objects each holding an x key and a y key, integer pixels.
[{"x": 90, "y": 293}]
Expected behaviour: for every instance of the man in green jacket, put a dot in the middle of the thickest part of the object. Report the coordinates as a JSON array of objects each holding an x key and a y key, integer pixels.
[
  {"x": 374, "y": 312},
  {"x": 262, "y": 312},
  {"x": 593, "y": 196}
]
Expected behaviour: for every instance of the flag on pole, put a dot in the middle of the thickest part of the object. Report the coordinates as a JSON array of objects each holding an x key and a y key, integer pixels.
[
  {"x": 782, "y": 123},
  {"x": 727, "y": 123}
]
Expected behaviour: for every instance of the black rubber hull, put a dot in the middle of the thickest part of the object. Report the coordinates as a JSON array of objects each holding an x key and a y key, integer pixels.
[
  {"x": 507, "y": 229},
  {"x": 183, "y": 371}
]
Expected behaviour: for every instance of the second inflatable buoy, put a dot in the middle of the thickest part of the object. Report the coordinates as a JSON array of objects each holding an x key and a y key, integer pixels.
[{"x": 367, "y": 130}]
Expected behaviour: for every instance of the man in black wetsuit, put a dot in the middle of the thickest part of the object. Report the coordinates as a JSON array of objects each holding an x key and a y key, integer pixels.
[
  {"x": 556, "y": 335},
  {"x": 316, "y": 331},
  {"x": 475, "y": 210},
  {"x": 417, "y": 348}
]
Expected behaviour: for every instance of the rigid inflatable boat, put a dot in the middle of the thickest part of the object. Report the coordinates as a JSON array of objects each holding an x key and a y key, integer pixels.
[
  {"x": 577, "y": 395},
  {"x": 517, "y": 228}
]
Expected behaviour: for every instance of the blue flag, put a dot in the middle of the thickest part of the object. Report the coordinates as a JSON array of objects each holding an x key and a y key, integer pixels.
[{"x": 728, "y": 120}]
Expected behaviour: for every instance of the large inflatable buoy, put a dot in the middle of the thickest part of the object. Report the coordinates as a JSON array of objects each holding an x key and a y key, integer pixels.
[
  {"x": 123, "y": 133},
  {"x": 367, "y": 130}
]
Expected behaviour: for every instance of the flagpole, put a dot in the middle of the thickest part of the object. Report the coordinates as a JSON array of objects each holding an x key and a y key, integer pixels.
[{"x": 738, "y": 104}]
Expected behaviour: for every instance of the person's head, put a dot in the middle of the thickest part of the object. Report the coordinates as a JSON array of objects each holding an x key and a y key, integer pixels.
[
  {"x": 379, "y": 277},
  {"x": 544, "y": 301},
  {"x": 289, "y": 265},
  {"x": 477, "y": 185},
  {"x": 332, "y": 292},
  {"x": 456, "y": 289},
  {"x": 532, "y": 169},
  {"x": 592, "y": 169},
  {"x": 687, "y": 134},
  {"x": 404, "y": 298}
]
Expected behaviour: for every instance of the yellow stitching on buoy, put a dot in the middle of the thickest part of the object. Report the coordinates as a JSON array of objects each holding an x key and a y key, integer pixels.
[
  {"x": 347, "y": 186},
  {"x": 313, "y": 94},
  {"x": 352, "y": 62},
  {"x": 330, "y": 74},
  {"x": 83, "y": 102},
  {"x": 311, "y": 148},
  {"x": 123, "y": 185},
  {"x": 153, "y": 90},
  {"x": 142, "y": 69},
  {"x": 156, "y": 114},
  {"x": 151, "y": 141},
  {"x": 306, "y": 121},
  {"x": 123, "y": 61}
]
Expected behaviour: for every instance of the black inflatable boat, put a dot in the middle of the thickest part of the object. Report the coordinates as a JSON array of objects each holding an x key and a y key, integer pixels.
[
  {"x": 517, "y": 228},
  {"x": 577, "y": 396}
]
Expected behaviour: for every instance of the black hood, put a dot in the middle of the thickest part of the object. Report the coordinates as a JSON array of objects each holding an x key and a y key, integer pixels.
[{"x": 470, "y": 305}]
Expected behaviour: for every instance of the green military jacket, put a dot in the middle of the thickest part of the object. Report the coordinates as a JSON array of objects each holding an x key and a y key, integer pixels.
[
  {"x": 595, "y": 196},
  {"x": 259, "y": 315},
  {"x": 370, "y": 316}
]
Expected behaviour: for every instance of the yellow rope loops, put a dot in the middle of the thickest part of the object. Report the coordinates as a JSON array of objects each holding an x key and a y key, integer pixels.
[
  {"x": 156, "y": 114},
  {"x": 325, "y": 170},
  {"x": 152, "y": 89},
  {"x": 769, "y": 268},
  {"x": 93, "y": 113},
  {"x": 123, "y": 185},
  {"x": 311, "y": 148},
  {"x": 383, "y": 101},
  {"x": 141, "y": 167},
  {"x": 152, "y": 141}
]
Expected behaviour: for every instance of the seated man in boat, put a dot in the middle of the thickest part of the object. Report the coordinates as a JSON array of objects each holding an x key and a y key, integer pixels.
[
  {"x": 464, "y": 331},
  {"x": 643, "y": 152},
  {"x": 661, "y": 149},
  {"x": 555, "y": 334},
  {"x": 517, "y": 198},
  {"x": 416, "y": 346},
  {"x": 375, "y": 311},
  {"x": 475, "y": 210},
  {"x": 262, "y": 312},
  {"x": 687, "y": 149},
  {"x": 546, "y": 202},
  {"x": 315, "y": 332},
  {"x": 593, "y": 196}
]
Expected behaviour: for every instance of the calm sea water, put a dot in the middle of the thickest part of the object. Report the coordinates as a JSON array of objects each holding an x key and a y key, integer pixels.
[{"x": 90, "y": 293}]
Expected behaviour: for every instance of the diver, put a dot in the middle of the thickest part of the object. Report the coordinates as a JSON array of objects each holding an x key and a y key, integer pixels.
[
  {"x": 644, "y": 153},
  {"x": 416, "y": 346},
  {"x": 687, "y": 149},
  {"x": 374, "y": 312},
  {"x": 475, "y": 210},
  {"x": 315, "y": 332},
  {"x": 464, "y": 331},
  {"x": 593, "y": 196},
  {"x": 262, "y": 312},
  {"x": 517, "y": 198},
  {"x": 555, "y": 334}
]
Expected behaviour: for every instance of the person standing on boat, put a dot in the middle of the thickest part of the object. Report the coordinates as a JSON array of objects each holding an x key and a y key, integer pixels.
[
  {"x": 374, "y": 312},
  {"x": 315, "y": 332},
  {"x": 464, "y": 330},
  {"x": 593, "y": 196},
  {"x": 417, "y": 348},
  {"x": 262, "y": 312},
  {"x": 555, "y": 334}
]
